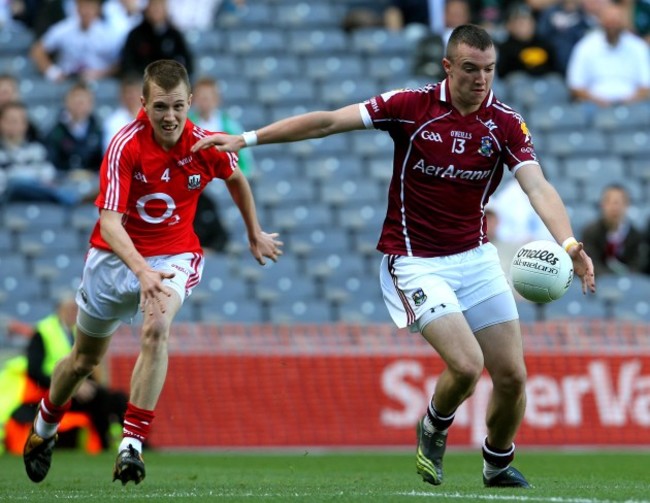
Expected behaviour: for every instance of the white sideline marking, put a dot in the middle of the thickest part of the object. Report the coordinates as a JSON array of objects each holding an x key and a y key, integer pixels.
[
  {"x": 498, "y": 497},
  {"x": 121, "y": 496}
]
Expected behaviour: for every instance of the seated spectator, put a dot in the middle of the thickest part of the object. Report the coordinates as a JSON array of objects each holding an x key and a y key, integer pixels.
[
  {"x": 192, "y": 15},
  {"x": 610, "y": 65},
  {"x": 562, "y": 25},
  {"x": 51, "y": 340},
  {"x": 25, "y": 171},
  {"x": 74, "y": 144},
  {"x": 82, "y": 46},
  {"x": 207, "y": 113},
  {"x": 518, "y": 222},
  {"x": 9, "y": 93},
  {"x": 612, "y": 241},
  {"x": 153, "y": 39},
  {"x": 523, "y": 51},
  {"x": 129, "y": 106}
]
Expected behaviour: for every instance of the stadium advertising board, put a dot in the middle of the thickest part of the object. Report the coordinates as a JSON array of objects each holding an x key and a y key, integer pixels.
[{"x": 336, "y": 386}]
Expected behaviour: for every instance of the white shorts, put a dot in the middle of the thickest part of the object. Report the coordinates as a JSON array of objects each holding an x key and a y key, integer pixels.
[
  {"x": 416, "y": 288},
  {"x": 110, "y": 293}
]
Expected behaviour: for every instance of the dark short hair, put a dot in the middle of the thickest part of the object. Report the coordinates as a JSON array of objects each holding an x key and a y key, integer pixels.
[
  {"x": 166, "y": 74},
  {"x": 471, "y": 35}
]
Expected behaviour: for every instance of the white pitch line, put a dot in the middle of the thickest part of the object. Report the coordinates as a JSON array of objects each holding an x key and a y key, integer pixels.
[
  {"x": 493, "y": 497},
  {"x": 122, "y": 496}
]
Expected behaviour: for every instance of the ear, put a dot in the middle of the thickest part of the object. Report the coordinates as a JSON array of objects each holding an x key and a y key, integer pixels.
[{"x": 446, "y": 64}]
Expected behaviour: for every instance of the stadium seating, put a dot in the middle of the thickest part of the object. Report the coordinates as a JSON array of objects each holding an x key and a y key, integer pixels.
[{"x": 327, "y": 197}]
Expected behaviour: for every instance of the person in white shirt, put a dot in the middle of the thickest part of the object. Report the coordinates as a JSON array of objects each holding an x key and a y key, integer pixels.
[
  {"x": 85, "y": 46},
  {"x": 610, "y": 65},
  {"x": 130, "y": 104}
]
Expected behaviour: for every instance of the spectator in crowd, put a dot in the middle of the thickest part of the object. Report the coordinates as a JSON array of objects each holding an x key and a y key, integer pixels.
[
  {"x": 153, "y": 39},
  {"x": 25, "y": 171},
  {"x": 126, "y": 111},
  {"x": 613, "y": 242},
  {"x": 192, "y": 15},
  {"x": 562, "y": 25},
  {"x": 9, "y": 92},
  {"x": 523, "y": 51},
  {"x": 364, "y": 14},
  {"x": 610, "y": 65},
  {"x": 207, "y": 112},
  {"x": 517, "y": 222},
  {"x": 506, "y": 249},
  {"x": 82, "y": 46},
  {"x": 51, "y": 340},
  {"x": 75, "y": 142}
]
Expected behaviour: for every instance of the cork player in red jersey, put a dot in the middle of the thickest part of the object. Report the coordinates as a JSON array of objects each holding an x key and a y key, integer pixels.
[
  {"x": 439, "y": 275},
  {"x": 143, "y": 253}
]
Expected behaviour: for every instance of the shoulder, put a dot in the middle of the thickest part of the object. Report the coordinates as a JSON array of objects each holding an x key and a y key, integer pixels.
[{"x": 505, "y": 113}]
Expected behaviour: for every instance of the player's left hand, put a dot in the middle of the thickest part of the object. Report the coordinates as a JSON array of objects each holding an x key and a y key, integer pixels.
[
  {"x": 583, "y": 267},
  {"x": 222, "y": 142},
  {"x": 266, "y": 245}
]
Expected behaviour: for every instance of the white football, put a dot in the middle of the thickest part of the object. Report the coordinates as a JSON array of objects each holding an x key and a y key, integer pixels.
[{"x": 541, "y": 271}]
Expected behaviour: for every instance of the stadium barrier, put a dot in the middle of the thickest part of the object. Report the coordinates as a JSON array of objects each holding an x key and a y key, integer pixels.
[{"x": 341, "y": 385}]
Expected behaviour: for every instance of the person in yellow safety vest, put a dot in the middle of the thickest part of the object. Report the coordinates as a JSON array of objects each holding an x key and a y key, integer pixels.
[{"x": 52, "y": 340}]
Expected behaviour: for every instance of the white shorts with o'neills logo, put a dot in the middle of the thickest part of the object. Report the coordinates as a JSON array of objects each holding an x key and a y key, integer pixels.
[
  {"x": 414, "y": 287},
  {"x": 110, "y": 291}
]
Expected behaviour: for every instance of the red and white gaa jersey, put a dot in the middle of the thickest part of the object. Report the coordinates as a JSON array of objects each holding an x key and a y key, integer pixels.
[
  {"x": 157, "y": 190},
  {"x": 445, "y": 167}
]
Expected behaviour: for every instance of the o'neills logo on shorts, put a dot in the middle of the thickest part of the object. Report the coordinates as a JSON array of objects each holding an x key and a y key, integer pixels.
[{"x": 543, "y": 255}]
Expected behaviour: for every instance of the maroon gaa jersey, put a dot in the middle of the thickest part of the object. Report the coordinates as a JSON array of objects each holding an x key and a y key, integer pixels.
[{"x": 445, "y": 167}]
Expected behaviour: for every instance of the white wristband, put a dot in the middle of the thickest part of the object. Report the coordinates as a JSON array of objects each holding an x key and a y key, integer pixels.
[
  {"x": 568, "y": 243},
  {"x": 250, "y": 138}
]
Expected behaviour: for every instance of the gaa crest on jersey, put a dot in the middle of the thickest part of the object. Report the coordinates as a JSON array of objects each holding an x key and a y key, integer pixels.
[
  {"x": 419, "y": 297},
  {"x": 194, "y": 182},
  {"x": 486, "y": 147}
]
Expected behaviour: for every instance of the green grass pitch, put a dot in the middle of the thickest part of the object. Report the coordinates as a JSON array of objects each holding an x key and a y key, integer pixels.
[{"x": 557, "y": 476}]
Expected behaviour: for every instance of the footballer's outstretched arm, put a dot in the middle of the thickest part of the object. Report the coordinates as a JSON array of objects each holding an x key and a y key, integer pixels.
[{"x": 295, "y": 128}]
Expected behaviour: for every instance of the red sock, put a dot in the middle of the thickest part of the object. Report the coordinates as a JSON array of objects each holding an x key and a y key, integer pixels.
[
  {"x": 137, "y": 422},
  {"x": 53, "y": 413}
]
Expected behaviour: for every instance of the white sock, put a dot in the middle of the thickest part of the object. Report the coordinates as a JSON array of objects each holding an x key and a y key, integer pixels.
[
  {"x": 44, "y": 429},
  {"x": 126, "y": 441},
  {"x": 491, "y": 471}
]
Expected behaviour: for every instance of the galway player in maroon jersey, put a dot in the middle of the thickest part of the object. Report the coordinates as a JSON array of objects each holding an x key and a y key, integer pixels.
[
  {"x": 440, "y": 275},
  {"x": 143, "y": 252}
]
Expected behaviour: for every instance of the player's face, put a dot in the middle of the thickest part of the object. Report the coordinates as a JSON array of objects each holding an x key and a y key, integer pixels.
[
  {"x": 167, "y": 112},
  {"x": 470, "y": 72}
]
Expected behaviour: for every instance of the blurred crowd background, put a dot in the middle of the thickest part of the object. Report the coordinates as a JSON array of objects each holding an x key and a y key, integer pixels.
[{"x": 70, "y": 77}]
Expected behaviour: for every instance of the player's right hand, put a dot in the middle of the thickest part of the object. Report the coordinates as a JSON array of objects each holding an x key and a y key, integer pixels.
[
  {"x": 152, "y": 289},
  {"x": 221, "y": 141}
]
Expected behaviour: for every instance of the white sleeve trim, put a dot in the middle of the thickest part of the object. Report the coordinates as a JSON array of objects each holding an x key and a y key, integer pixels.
[{"x": 365, "y": 116}]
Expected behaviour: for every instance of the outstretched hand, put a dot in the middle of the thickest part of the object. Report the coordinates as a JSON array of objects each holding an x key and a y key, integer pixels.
[
  {"x": 152, "y": 290},
  {"x": 221, "y": 141},
  {"x": 266, "y": 245},
  {"x": 583, "y": 267}
]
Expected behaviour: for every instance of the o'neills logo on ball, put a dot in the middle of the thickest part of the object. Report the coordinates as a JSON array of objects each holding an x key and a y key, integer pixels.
[{"x": 543, "y": 255}]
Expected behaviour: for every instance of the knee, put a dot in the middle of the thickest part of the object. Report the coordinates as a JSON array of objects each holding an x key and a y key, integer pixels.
[
  {"x": 511, "y": 381},
  {"x": 154, "y": 335},
  {"x": 84, "y": 365},
  {"x": 467, "y": 372}
]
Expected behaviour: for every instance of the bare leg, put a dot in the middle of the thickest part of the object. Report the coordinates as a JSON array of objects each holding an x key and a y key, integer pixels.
[
  {"x": 454, "y": 341},
  {"x": 504, "y": 360},
  {"x": 150, "y": 368},
  {"x": 69, "y": 373}
]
